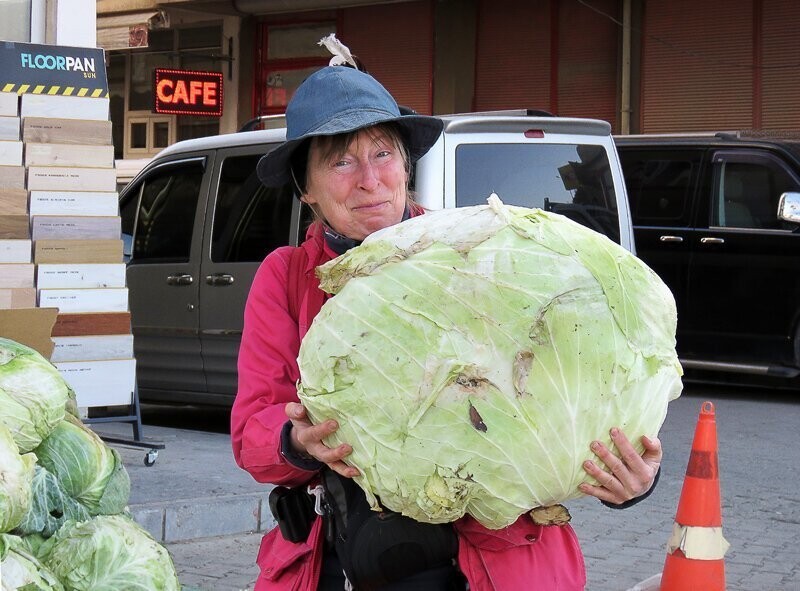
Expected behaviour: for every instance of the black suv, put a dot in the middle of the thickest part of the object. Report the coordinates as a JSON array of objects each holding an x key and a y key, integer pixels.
[{"x": 717, "y": 216}]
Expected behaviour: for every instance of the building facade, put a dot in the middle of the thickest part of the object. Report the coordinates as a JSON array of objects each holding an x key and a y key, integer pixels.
[{"x": 646, "y": 66}]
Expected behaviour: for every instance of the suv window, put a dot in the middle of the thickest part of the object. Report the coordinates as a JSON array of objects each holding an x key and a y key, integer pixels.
[
  {"x": 522, "y": 174},
  {"x": 746, "y": 193},
  {"x": 159, "y": 220},
  {"x": 250, "y": 220},
  {"x": 660, "y": 185}
]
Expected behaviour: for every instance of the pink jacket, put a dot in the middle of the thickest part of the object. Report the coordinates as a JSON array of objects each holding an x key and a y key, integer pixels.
[{"x": 521, "y": 556}]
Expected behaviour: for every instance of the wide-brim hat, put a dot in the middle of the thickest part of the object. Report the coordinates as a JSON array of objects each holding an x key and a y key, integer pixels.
[{"x": 339, "y": 99}]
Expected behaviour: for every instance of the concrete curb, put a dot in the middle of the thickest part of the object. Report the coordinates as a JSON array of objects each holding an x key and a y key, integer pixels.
[{"x": 189, "y": 519}]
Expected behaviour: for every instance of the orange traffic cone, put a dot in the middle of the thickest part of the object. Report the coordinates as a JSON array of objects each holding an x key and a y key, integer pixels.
[{"x": 696, "y": 549}]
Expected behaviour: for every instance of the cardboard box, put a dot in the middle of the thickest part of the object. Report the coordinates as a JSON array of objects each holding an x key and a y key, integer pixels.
[
  {"x": 105, "y": 299},
  {"x": 67, "y": 155},
  {"x": 9, "y": 128},
  {"x": 18, "y": 297},
  {"x": 100, "y": 383},
  {"x": 55, "y": 227},
  {"x": 13, "y": 201},
  {"x": 92, "y": 348},
  {"x": 29, "y": 326},
  {"x": 80, "y": 275},
  {"x": 69, "y": 178},
  {"x": 15, "y": 251}
]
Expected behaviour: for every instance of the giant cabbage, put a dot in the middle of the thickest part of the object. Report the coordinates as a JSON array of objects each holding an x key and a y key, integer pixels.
[
  {"x": 87, "y": 469},
  {"x": 16, "y": 475},
  {"x": 471, "y": 356},
  {"x": 108, "y": 553},
  {"x": 32, "y": 394}
]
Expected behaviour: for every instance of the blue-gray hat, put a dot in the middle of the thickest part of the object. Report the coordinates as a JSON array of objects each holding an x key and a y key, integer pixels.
[{"x": 335, "y": 100}]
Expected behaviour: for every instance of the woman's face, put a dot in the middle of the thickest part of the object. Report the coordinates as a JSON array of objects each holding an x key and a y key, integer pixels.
[{"x": 361, "y": 190}]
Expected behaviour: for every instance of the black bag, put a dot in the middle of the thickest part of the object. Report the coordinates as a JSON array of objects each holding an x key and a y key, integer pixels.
[{"x": 378, "y": 548}]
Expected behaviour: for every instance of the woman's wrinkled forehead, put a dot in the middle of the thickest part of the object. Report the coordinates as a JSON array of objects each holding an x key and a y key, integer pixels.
[{"x": 334, "y": 146}]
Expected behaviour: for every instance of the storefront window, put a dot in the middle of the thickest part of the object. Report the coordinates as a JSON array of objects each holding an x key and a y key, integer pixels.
[
  {"x": 292, "y": 54},
  {"x": 16, "y": 22}
]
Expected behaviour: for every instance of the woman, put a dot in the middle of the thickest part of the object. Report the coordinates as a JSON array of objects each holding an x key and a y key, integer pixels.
[{"x": 349, "y": 152}]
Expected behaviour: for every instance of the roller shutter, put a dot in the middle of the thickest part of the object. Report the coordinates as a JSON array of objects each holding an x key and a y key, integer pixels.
[
  {"x": 399, "y": 53},
  {"x": 697, "y": 65},
  {"x": 780, "y": 71},
  {"x": 512, "y": 65},
  {"x": 587, "y": 60}
]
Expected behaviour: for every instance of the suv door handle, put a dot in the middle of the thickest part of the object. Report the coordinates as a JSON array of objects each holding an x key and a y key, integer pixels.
[
  {"x": 710, "y": 240},
  {"x": 670, "y": 239},
  {"x": 180, "y": 279},
  {"x": 219, "y": 279}
]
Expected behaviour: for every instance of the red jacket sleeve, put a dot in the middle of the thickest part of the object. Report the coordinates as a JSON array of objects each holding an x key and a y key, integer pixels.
[{"x": 268, "y": 374}]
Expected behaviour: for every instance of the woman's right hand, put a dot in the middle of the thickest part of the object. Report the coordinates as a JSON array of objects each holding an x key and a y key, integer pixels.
[{"x": 307, "y": 439}]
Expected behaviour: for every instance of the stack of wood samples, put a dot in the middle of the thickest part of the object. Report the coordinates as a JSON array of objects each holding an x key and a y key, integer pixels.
[
  {"x": 76, "y": 243},
  {"x": 17, "y": 287}
]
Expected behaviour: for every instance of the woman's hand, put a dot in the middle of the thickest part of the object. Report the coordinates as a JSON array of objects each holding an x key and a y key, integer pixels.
[
  {"x": 307, "y": 439},
  {"x": 624, "y": 478}
]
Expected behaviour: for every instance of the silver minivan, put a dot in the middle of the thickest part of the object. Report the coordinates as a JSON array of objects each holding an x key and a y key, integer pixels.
[{"x": 197, "y": 223}]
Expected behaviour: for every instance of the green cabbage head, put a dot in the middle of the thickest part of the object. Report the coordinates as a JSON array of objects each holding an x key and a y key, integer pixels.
[
  {"x": 108, "y": 553},
  {"x": 472, "y": 355},
  {"x": 50, "y": 507},
  {"x": 16, "y": 476},
  {"x": 87, "y": 469},
  {"x": 21, "y": 570},
  {"x": 32, "y": 394}
]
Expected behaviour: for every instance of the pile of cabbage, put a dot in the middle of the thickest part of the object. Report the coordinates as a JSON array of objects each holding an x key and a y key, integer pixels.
[
  {"x": 64, "y": 492},
  {"x": 471, "y": 356}
]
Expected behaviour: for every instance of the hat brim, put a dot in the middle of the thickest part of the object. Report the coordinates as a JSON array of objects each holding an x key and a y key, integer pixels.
[{"x": 420, "y": 131}]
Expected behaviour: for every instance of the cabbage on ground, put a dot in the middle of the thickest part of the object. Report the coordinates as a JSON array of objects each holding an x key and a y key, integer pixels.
[
  {"x": 471, "y": 356},
  {"x": 33, "y": 394},
  {"x": 108, "y": 553},
  {"x": 21, "y": 570},
  {"x": 16, "y": 476},
  {"x": 87, "y": 469}
]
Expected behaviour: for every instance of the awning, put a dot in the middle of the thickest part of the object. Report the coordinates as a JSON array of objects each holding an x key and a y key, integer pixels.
[{"x": 126, "y": 31}]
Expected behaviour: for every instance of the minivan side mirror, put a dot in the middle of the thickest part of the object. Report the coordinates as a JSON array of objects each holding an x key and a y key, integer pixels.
[{"x": 789, "y": 207}]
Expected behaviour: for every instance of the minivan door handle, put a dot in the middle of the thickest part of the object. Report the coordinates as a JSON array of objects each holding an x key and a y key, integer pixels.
[
  {"x": 710, "y": 240},
  {"x": 219, "y": 279},
  {"x": 180, "y": 279},
  {"x": 670, "y": 239}
]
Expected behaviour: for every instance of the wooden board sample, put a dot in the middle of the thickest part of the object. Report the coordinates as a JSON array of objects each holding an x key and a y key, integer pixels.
[
  {"x": 9, "y": 128},
  {"x": 80, "y": 275},
  {"x": 103, "y": 323},
  {"x": 14, "y": 227},
  {"x": 85, "y": 300},
  {"x": 17, "y": 297},
  {"x": 93, "y": 203},
  {"x": 16, "y": 274},
  {"x": 9, "y": 104},
  {"x": 100, "y": 383},
  {"x": 77, "y": 251},
  {"x": 64, "y": 107},
  {"x": 55, "y": 227},
  {"x": 80, "y": 155},
  {"x": 70, "y": 178},
  {"x": 15, "y": 251},
  {"x": 13, "y": 201},
  {"x": 12, "y": 177},
  {"x": 92, "y": 348},
  {"x": 10, "y": 153},
  {"x": 66, "y": 131}
]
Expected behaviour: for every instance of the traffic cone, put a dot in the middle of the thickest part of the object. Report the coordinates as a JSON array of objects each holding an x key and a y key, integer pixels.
[{"x": 696, "y": 549}]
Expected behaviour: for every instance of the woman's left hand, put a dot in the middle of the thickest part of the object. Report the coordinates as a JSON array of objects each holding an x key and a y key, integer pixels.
[{"x": 626, "y": 477}]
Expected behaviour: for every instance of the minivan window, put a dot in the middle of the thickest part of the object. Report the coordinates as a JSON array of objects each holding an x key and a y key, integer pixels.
[
  {"x": 161, "y": 220},
  {"x": 522, "y": 174},
  {"x": 250, "y": 220}
]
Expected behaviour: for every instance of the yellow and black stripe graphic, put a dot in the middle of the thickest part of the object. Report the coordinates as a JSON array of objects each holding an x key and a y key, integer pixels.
[{"x": 54, "y": 90}]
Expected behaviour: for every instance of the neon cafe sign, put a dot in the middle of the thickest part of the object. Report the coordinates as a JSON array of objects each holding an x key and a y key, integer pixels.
[{"x": 185, "y": 92}]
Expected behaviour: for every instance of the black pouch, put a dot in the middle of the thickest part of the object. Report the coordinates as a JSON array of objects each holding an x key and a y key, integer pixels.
[
  {"x": 379, "y": 548},
  {"x": 293, "y": 509}
]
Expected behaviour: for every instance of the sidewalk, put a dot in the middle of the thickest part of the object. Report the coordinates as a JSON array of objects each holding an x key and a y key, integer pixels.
[
  {"x": 194, "y": 489},
  {"x": 208, "y": 512}
]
